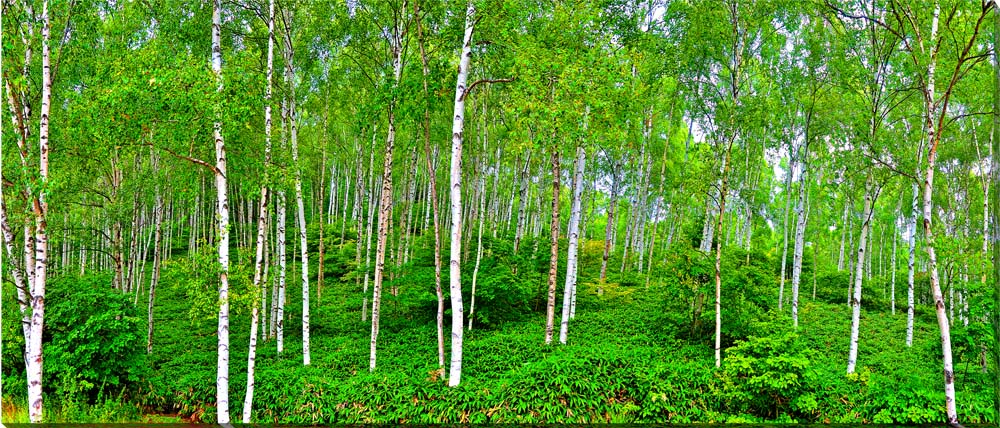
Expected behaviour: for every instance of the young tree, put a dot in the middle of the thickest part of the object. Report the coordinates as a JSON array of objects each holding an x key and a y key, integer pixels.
[
  {"x": 222, "y": 207},
  {"x": 457, "y": 130}
]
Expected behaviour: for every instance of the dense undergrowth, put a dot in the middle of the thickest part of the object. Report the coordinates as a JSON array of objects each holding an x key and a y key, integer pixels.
[{"x": 639, "y": 351}]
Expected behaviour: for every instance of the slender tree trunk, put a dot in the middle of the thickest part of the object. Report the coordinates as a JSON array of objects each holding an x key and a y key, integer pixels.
[
  {"x": 933, "y": 138},
  {"x": 788, "y": 204},
  {"x": 157, "y": 257},
  {"x": 550, "y": 309},
  {"x": 457, "y": 133},
  {"x": 385, "y": 200},
  {"x": 479, "y": 247},
  {"x": 718, "y": 256},
  {"x": 610, "y": 227},
  {"x": 892, "y": 297},
  {"x": 995, "y": 176},
  {"x": 522, "y": 203},
  {"x": 569, "y": 290},
  {"x": 222, "y": 380},
  {"x": 843, "y": 239},
  {"x": 293, "y": 121},
  {"x": 800, "y": 228},
  {"x": 911, "y": 225},
  {"x": 259, "y": 262},
  {"x": 871, "y": 193}
]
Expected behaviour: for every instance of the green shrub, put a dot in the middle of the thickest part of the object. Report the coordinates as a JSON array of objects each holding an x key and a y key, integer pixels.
[{"x": 94, "y": 337}]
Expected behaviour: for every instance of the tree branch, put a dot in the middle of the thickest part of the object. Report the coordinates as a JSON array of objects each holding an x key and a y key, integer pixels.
[
  {"x": 187, "y": 158},
  {"x": 469, "y": 89}
]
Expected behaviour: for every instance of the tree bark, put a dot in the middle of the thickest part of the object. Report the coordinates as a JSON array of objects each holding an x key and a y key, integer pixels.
[
  {"x": 479, "y": 247},
  {"x": 222, "y": 379},
  {"x": 432, "y": 186},
  {"x": 385, "y": 199},
  {"x": 800, "y": 228},
  {"x": 871, "y": 193},
  {"x": 569, "y": 290},
  {"x": 788, "y": 204},
  {"x": 457, "y": 130},
  {"x": 550, "y": 308},
  {"x": 293, "y": 120},
  {"x": 259, "y": 263},
  {"x": 933, "y": 137}
]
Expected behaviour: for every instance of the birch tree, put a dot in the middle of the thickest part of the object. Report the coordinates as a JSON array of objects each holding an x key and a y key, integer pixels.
[
  {"x": 457, "y": 130},
  {"x": 569, "y": 289},
  {"x": 222, "y": 207},
  {"x": 259, "y": 263}
]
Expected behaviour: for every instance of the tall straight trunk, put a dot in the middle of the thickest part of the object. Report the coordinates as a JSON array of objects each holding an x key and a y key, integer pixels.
[
  {"x": 933, "y": 137},
  {"x": 479, "y": 247},
  {"x": 569, "y": 290},
  {"x": 610, "y": 227},
  {"x": 843, "y": 239},
  {"x": 550, "y": 308},
  {"x": 995, "y": 176},
  {"x": 800, "y": 228},
  {"x": 871, "y": 193},
  {"x": 157, "y": 259},
  {"x": 892, "y": 291},
  {"x": 293, "y": 121},
  {"x": 259, "y": 262},
  {"x": 222, "y": 379},
  {"x": 370, "y": 189},
  {"x": 457, "y": 133},
  {"x": 282, "y": 208},
  {"x": 522, "y": 203},
  {"x": 708, "y": 229},
  {"x": 911, "y": 226},
  {"x": 385, "y": 199},
  {"x": 718, "y": 256},
  {"x": 322, "y": 225},
  {"x": 788, "y": 204}
]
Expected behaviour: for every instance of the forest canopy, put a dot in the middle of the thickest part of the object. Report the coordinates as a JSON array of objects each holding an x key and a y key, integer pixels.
[{"x": 500, "y": 211}]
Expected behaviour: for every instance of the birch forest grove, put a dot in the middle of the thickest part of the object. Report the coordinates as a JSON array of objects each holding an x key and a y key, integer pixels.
[{"x": 500, "y": 211}]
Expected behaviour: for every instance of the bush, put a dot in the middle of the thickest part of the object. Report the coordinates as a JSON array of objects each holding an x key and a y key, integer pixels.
[
  {"x": 94, "y": 336},
  {"x": 766, "y": 375}
]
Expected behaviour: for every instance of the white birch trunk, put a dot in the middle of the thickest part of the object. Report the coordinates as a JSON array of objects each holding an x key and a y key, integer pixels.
[
  {"x": 569, "y": 289},
  {"x": 911, "y": 226},
  {"x": 259, "y": 263},
  {"x": 800, "y": 231},
  {"x": 550, "y": 310},
  {"x": 866, "y": 219},
  {"x": 932, "y": 141},
  {"x": 892, "y": 297},
  {"x": 479, "y": 247},
  {"x": 40, "y": 259},
  {"x": 299, "y": 204},
  {"x": 157, "y": 259},
  {"x": 788, "y": 204},
  {"x": 385, "y": 201},
  {"x": 457, "y": 130},
  {"x": 222, "y": 379}
]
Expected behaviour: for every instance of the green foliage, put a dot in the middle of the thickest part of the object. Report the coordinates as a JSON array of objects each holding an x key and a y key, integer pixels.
[
  {"x": 769, "y": 375},
  {"x": 93, "y": 339}
]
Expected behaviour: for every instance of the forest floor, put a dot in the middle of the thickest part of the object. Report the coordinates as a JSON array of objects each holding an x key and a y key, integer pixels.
[{"x": 634, "y": 354}]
